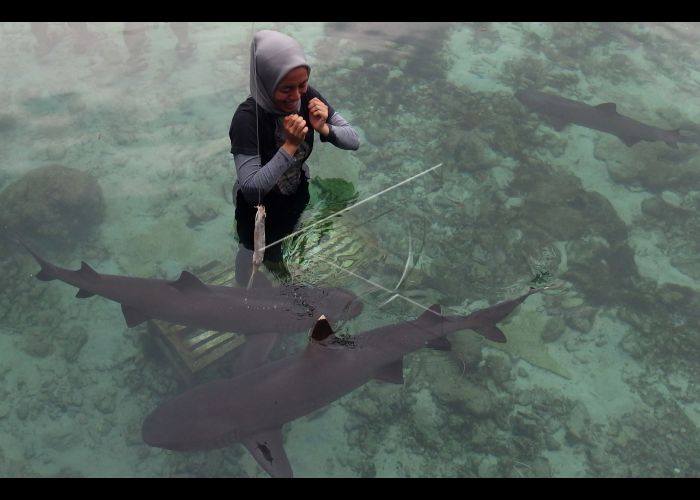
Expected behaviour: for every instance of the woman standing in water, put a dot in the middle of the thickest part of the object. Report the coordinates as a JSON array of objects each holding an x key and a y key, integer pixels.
[{"x": 272, "y": 136}]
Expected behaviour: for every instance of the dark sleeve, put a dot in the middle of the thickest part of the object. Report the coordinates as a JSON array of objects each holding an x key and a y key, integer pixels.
[{"x": 242, "y": 132}]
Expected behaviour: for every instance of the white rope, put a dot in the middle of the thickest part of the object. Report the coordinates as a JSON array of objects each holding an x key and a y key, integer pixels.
[
  {"x": 352, "y": 206},
  {"x": 383, "y": 288}
]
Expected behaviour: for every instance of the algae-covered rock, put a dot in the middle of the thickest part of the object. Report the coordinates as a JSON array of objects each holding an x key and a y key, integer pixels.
[
  {"x": 72, "y": 341},
  {"x": 578, "y": 425},
  {"x": 553, "y": 329},
  {"x": 557, "y": 204},
  {"x": 56, "y": 205},
  {"x": 656, "y": 168},
  {"x": 464, "y": 396},
  {"x": 35, "y": 342}
]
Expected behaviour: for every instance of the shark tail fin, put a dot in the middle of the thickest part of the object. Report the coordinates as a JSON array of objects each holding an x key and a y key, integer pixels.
[{"x": 486, "y": 319}]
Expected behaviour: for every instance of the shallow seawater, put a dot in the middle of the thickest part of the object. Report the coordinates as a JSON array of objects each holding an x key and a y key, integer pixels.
[{"x": 114, "y": 139}]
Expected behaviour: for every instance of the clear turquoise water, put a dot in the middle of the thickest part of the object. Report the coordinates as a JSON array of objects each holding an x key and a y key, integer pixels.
[{"x": 599, "y": 377}]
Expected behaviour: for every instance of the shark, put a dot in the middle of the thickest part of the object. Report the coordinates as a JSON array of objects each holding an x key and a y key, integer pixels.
[
  {"x": 261, "y": 313},
  {"x": 252, "y": 407},
  {"x": 604, "y": 117}
]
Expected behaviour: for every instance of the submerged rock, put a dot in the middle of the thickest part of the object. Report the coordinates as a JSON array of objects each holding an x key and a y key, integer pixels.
[
  {"x": 56, "y": 205},
  {"x": 464, "y": 396},
  {"x": 7, "y": 123},
  {"x": 35, "y": 342}
]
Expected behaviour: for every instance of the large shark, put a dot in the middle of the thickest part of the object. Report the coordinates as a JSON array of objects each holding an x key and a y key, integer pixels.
[
  {"x": 251, "y": 408},
  {"x": 604, "y": 117},
  {"x": 260, "y": 313}
]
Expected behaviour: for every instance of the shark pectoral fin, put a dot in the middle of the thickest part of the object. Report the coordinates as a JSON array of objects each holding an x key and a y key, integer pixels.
[
  {"x": 630, "y": 141},
  {"x": 392, "y": 373},
  {"x": 254, "y": 351},
  {"x": 440, "y": 344},
  {"x": 267, "y": 449},
  {"x": 607, "y": 107},
  {"x": 491, "y": 332},
  {"x": 83, "y": 294},
  {"x": 556, "y": 123},
  {"x": 188, "y": 282},
  {"x": 259, "y": 280},
  {"x": 133, "y": 316}
]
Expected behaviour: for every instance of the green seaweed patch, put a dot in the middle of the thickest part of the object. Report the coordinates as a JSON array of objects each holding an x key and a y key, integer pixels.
[{"x": 331, "y": 194}]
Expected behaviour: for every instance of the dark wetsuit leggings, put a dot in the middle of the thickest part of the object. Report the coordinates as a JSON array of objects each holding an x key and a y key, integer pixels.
[{"x": 282, "y": 214}]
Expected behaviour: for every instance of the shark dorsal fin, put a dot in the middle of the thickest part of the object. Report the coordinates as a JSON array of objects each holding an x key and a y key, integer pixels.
[
  {"x": 630, "y": 141},
  {"x": 608, "y": 107},
  {"x": 322, "y": 329},
  {"x": 557, "y": 124},
  {"x": 392, "y": 373},
  {"x": 87, "y": 272},
  {"x": 188, "y": 281},
  {"x": 268, "y": 450},
  {"x": 431, "y": 316}
]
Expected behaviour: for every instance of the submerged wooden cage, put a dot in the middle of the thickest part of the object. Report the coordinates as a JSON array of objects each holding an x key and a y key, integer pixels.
[{"x": 190, "y": 348}]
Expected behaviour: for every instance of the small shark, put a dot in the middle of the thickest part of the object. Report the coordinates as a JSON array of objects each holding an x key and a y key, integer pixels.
[
  {"x": 604, "y": 117},
  {"x": 251, "y": 408},
  {"x": 261, "y": 313}
]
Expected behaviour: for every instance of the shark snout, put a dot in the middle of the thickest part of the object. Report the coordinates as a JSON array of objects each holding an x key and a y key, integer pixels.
[
  {"x": 161, "y": 430},
  {"x": 153, "y": 431},
  {"x": 529, "y": 97}
]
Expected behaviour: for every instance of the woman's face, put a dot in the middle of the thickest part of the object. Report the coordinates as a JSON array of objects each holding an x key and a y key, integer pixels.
[{"x": 290, "y": 89}]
